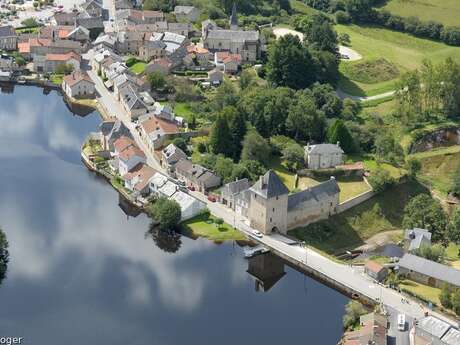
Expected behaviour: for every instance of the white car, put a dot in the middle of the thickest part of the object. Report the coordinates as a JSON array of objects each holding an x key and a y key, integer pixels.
[
  {"x": 257, "y": 233},
  {"x": 402, "y": 322}
]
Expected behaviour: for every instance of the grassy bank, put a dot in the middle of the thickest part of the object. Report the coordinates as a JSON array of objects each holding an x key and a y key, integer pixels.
[{"x": 352, "y": 228}]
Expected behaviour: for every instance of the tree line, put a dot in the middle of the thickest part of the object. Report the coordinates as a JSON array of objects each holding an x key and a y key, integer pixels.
[{"x": 364, "y": 12}]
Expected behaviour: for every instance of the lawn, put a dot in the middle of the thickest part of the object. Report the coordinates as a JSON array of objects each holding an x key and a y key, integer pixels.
[
  {"x": 348, "y": 230},
  {"x": 371, "y": 164},
  {"x": 402, "y": 50},
  {"x": 452, "y": 255},
  {"x": 201, "y": 226},
  {"x": 427, "y": 292},
  {"x": 438, "y": 166},
  {"x": 138, "y": 67},
  {"x": 446, "y": 12},
  {"x": 349, "y": 187},
  {"x": 56, "y": 79}
]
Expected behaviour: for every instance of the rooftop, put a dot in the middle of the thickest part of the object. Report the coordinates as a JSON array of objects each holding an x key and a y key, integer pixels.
[
  {"x": 269, "y": 186},
  {"x": 324, "y": 148},
  {"x": 433, "y": 326},
  {"x": 431, "y": 269},
  {"x": 316, "y": 193}
]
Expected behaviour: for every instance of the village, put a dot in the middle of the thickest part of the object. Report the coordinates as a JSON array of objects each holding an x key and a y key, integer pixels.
[{"x": 122, "y": 61}]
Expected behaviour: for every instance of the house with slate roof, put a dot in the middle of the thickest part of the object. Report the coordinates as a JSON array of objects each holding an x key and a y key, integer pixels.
[
  {"x": 323, "y": 156},
  {"x": 428, "y": 272},
  {"x": 416, "y": 238},
  {"x": 273, "y": 209},
  {"x": 233, "y": 191}
]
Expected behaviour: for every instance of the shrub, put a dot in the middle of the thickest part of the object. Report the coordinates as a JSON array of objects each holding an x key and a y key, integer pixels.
[
  {"x": 381, "y": 180},
  {"x": 342, "y": 17}
]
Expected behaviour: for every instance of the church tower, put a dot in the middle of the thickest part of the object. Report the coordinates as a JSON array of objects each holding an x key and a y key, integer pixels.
[{"x": 234, "y": 18}]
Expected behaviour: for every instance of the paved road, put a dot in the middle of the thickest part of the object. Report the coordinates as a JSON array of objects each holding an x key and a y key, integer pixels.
[
  {"x": 395, "y": 336},
  {"x": 350, "y": 276},
  {"x": 114, "y": 108}
]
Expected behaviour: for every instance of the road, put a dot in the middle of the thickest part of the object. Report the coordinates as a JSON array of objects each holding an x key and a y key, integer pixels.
[
  {"x": 395, "y": 336},
  {"x": 352, "y": 277},
  {"x": 349, "y": 276},
  {"x": 114, "y": 108}
]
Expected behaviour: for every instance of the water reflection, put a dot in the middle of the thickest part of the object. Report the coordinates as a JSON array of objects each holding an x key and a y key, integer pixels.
[
  {"x": 81, "y": 271},
  {"x": 267, "y": 270},
  {"x": 167, "y": 241}
]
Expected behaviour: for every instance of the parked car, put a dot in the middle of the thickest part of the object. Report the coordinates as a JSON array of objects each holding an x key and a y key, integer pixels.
[
  {"x": 191, "y": 188},
  {"x": 401, "y": 322},
  {"x": 257, "y": 233},
  {"x": 211, "y": 198}
]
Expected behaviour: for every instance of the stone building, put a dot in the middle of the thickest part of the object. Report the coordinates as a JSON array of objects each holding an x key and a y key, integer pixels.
[
  {"x": 323, "y": 156},
  {"x": 273, "y": 209},
  {"x": 246, "y": 43},
  {"x": 428, "y": 272}
]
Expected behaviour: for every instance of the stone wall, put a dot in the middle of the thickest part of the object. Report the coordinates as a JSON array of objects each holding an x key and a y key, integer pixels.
[{"x": 346, "y": 205}]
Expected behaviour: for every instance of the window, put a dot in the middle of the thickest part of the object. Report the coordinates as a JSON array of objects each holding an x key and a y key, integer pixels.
[
  {"x": 276, "y": 198},
  {"x": 270, "y": 219},
  {"x": 273, "y": 209}
]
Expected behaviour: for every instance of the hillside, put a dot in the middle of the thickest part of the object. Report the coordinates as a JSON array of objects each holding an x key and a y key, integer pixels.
[{"x": 446, "y": 12}]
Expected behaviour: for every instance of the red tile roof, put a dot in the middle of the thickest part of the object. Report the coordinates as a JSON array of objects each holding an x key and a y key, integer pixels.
[
  {"x": 76, "y": 77},
  {"x": 63, "y": 57},
  {"x": 122, "y": 143},
  {"x": 374, "y": 266},
  {"x": 130, "y": 152},
  {"x": 154, "y": 124},
  {"x": 143, "y": 172}
]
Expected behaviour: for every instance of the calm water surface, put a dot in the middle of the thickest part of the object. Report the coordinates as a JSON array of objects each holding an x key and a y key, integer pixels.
[{"x": 83, "y": 272}]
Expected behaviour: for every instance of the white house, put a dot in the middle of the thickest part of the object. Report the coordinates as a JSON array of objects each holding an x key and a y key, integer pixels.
[
  {"x": 138, "y": 179},
  {"x": 190, "y": 206},
  {"x": 129, "y": 158},
  {"x": 323, "y": 156},
  {"x": 78, "y": 85}
]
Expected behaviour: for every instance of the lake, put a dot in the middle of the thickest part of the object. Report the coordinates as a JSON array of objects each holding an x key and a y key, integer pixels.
[{"x": 84, "y": 272}]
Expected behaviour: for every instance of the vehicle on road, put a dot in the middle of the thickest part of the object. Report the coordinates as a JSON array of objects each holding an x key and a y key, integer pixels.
[
  {"x": 251, "y": 252},
  {"x": 401, "y": 322},
  {"x": 257, "y": 233},
  {"x": 211, "y": 198}
]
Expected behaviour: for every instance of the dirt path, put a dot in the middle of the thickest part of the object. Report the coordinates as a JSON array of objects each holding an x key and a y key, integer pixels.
[{"x": 379, "y": 240}]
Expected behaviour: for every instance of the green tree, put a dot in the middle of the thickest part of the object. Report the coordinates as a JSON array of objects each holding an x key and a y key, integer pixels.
[
  {"x": 219, "y": 222},
  {"x": 319, "y": 32},
  {"x": 4, "y": 255},
  {"x": 388, "y": 149},
  {"x": 445, "y": 296},
  {"x": 238, "y": 129},
  {"x": 180, "y": 143},
  {"x": 225, "y": 95},
  {"x": 413, "y": 167},
  {"x": 220, "y": 139},
  {"x": 30, "y": 22},
  {"x": 435, "y": 252},
  {"x": 224, "y": 168},
  {"x": 254, "y": 168},
  {"x": 255, "y": 148},
  {"x": 353, "y": 311},
  {"x": 290, "y": 64},
  {"x": 422, "y": 211},
  {"x": 453, "y": 230},
  {"x": 304, "y": 121},
  {"x": 344, "y": 39},
  {"x": 339, "y": 133},
  {"x": 157, "y": 80},
  {"x": 293, "y": 154},
  {"x": 64, "y": 68},
  {"x": 246, "y": 78},
  {"x": 166, "y": 212},
  {"x": 456, "y": 301},
  {"x": 381, "y": 180}
]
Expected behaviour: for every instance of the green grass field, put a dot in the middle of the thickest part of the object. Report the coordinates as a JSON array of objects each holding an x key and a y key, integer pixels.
[
  {"x": 427, "y": 292},
  {"x": 202, "y": 227},
  {"x": 402, "y": 50},
  {"x": 446, "y": 12},
  {"x": 349, "y": 186},
  {"x": 138, "y": 67},
  {"x": 438, "y": 166},
  {"x": 348, "y": 230}
]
